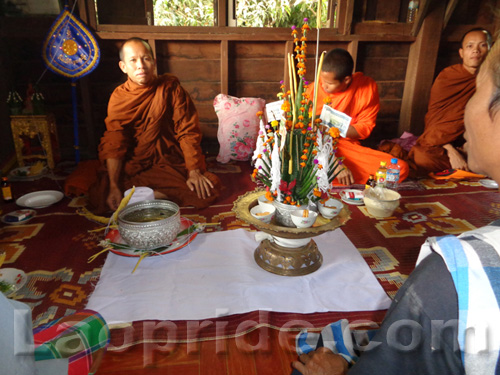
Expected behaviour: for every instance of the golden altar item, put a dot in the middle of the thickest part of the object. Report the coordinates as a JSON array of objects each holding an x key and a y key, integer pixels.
[
  {"x": 32, "y": 126},
  {"x": 281, "y": 260}
]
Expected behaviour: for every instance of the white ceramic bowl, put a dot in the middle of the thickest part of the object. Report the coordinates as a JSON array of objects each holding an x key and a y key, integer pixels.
[
  {"x": 263, "y": 202},
  {"x": 303, "y": 222},
  {"x": 330, "y": 208},
  {"x": 264, "y": 214},
  {"x": 381, "y": 202},
  {"x": 291, "y": 242}
]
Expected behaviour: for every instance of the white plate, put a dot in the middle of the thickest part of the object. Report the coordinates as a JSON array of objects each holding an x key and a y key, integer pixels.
[
  {"x": 490, "y": 184},
  {"x": 13, "y": 276},
  {"x": 40, "y": 199},
  {"x": 25, "y": 220},
  {"x": 344, "y": 197}
]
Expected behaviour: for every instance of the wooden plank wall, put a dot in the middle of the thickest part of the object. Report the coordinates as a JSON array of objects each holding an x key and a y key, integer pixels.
[{"x": 244, "y": 63}]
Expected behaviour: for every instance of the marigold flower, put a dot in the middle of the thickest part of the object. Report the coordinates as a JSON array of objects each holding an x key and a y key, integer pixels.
[
  {"x": 303, "y": 131},
  {"x": 269, "y": 196},
  {"x": 293, "y": 203},
  {"x": 274, "y": 123},
  {"x": 334, "y": 132},
  {"x": 304, "y": 157},
  {"x": 303, "y": 164},
  {"x": 288, "y": 198},
  {"x": 301, "y": 117},
  {"x": 314, "y": 152},
  {"x": 327, "y": 100},
  {"x": 259, "y": 156},
  {"x": 305, "y": 151},
  {"x": 296, "y": 40},
  {"x": 259, "y": 113},
  {"x": 320, "y": 166},
  {"x": 317, "y": 120},
  {"x": 316, "y": 192}
]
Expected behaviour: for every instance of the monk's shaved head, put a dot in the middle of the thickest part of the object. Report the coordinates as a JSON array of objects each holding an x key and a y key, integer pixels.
[
  {"x": 139, "y": 40},
  {"x": 339, "y": 62}
]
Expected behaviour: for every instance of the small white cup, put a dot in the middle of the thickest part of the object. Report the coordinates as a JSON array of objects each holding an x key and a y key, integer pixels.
[
  {"x": 264, "y": 214},
  {"x": 263, "y": 202},
  {"x": 330, "y": 208},
  {"x": 303, "y": 222}
]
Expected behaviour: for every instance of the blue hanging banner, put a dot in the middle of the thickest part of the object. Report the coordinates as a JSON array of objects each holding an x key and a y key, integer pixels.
[{"x": 70, "y": 49}]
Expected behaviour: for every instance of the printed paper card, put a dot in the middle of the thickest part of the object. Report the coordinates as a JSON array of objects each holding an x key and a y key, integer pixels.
[
  {"x": 331, "y": 117},
  {"x": 274, "y": 111}
]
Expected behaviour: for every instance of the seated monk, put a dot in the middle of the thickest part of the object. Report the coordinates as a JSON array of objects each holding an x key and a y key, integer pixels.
[
  {"x": 440, "y": 145},
  {"x": 356, "y": 95},
  {"x": 152, "y": 138}
]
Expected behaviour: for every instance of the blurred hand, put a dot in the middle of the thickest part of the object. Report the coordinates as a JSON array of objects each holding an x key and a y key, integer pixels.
[
  {"x": 321, "y": 361},
  {"x": 114, "y": 198},
  {"x": 345, "y": 177}
]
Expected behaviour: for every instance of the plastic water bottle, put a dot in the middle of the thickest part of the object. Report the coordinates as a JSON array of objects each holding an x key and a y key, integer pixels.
[
  {"x": 393, "y": 171},
  {"x": 381, "y": 174}
]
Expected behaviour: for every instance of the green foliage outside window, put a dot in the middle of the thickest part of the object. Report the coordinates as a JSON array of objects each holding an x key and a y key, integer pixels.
[
  {"x": 184, "y": 12},
  {"x": 249, "y": 13}
]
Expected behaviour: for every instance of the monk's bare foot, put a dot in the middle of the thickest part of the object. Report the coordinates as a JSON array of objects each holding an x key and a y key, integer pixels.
[{"x": 160, "y": 195}]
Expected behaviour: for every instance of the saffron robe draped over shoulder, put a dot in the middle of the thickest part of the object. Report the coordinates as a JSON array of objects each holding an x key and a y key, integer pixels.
[
  {"x": 361, "y": 102},
  {"x": 154, "y": 129},
  {"x": 444, "y": 121}
]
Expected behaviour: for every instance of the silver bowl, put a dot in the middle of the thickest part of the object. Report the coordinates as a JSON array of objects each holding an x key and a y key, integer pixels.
[{"x": 149, "y": 224}]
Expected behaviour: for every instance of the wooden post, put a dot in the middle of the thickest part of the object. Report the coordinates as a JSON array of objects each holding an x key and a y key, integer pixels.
[
  {"x": 224, "y": 67},
  {"x": 420, "y": 72},
  {"x": 344, "y": 16}
]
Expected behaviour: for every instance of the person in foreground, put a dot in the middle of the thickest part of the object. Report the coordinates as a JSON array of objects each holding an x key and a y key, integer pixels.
[
  {"x": 444, "y": 319},
  {"x": 356, "y": 95},
  {"x": 152, "y": 138},
  {"x": 440, "y": 146}
]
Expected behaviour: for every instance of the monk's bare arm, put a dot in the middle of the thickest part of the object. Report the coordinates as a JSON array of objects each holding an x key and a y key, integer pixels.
[
  {"x": 115, "y": 194},
  {"x": 457, "y": 161},
  {"x": 199, "y": 183},
  {"x": 352, "y": 133}
]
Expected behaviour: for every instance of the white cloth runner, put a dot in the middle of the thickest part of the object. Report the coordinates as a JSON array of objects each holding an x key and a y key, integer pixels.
[{"x": 216, "y": 275}]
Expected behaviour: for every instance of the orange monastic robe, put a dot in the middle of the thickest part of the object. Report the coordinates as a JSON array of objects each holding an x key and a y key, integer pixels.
[
  {"x": 360, "y": 101},
  {"x": 444, "y": 121},
  {"x": 155, "y": 130}
]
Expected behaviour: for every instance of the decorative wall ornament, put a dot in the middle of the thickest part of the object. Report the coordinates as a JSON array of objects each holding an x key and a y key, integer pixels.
[{"x": 71, "y": 51}]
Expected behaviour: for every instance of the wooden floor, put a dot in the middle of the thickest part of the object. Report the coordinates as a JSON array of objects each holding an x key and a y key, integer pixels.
[{"x": 263, "y": 351}]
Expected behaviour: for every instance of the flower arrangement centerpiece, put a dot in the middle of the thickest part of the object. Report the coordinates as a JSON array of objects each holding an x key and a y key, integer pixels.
[{"x": 295, "y": 155}]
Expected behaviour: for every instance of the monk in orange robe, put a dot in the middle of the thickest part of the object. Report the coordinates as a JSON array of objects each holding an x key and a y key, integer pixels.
[
  {"x": 152, "y": 138},
  {"x": 356, "y": 95},
  {"x": 440, "y": 145}
]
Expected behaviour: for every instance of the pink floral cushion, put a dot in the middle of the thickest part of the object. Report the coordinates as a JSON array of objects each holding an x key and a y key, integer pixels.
[{"x": 238, "y": 126}]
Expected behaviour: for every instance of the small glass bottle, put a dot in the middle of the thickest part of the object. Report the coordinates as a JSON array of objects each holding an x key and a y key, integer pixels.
[
  {"x": 370, "y": 182},
  {"x": 381, "y": 174},
  {"x": 6, "y": 191}
]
